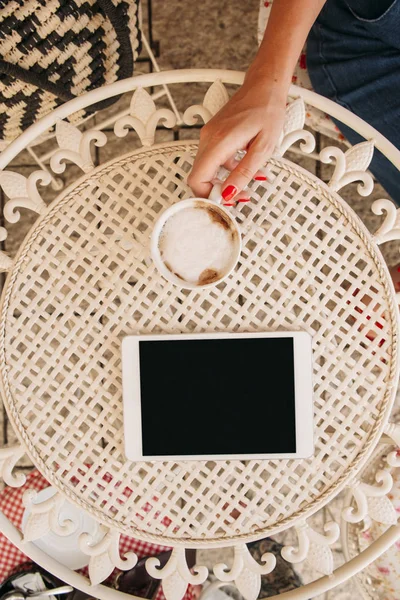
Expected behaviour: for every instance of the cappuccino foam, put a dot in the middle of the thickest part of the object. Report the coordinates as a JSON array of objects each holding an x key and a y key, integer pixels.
[{"x": 197, "y": 245}]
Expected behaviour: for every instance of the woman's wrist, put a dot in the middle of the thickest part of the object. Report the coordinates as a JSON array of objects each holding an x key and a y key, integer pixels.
[{"x": 267, "y": 80}]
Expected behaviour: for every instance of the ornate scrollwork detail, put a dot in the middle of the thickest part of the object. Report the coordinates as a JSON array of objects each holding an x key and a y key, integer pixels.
[
  {"x": 8, "y": 459},
  {"x": 105, "y": 556},
  {"x": 175, "y": 575},
  {"x": 350, "y": 166},
  {"x": 393, "y": 458},
  {"x": 23, "y": 193},
  {"x": 45, "y": 516},
  {"x": 246, "y": 572},
  {"x": 296, "y": 555},
  {"x": 215, "y": 98},
  {"x": 5, "y": 261},
  {"x": 371, "y": 501},
  {"x": 75, "y": 146},
  {"x": 144, "y": 118},
  {"x": 313, "y": 546},
  {"x": 390, "y": 228},
  {"x": 293, "y": 129}
]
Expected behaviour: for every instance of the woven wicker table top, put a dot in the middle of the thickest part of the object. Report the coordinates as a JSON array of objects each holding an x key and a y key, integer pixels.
[{"x": 83, "y": 280}]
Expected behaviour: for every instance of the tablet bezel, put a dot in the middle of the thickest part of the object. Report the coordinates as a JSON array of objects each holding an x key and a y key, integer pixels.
[{"x": 302, "y": 348}]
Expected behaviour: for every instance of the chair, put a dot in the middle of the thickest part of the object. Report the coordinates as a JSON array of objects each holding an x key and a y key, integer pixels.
[{"x": 23, "y": 100}]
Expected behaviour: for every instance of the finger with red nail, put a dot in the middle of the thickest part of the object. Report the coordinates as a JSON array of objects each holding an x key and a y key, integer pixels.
[{"x": 260, "y": 176}]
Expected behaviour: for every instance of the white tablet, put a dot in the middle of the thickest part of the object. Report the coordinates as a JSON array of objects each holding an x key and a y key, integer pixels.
[{"x": 218, "y": 397}]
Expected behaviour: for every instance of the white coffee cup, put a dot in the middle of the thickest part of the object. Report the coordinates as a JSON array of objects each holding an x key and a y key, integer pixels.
[{"x": 214, "y": 203}]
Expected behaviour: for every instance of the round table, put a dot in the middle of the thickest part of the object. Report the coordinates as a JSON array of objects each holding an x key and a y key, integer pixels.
[{"x": 83, "y": 279}]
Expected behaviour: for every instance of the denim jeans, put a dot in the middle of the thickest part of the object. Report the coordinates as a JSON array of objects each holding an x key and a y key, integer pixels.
[{"x": 353, "y": 58}]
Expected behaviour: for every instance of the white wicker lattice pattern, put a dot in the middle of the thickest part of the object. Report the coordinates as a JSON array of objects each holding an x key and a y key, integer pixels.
[{"x": 83, "y": 280}]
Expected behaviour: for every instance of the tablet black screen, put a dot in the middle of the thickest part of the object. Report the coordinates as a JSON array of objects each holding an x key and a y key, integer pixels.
[{"x": 217, "y": 396}]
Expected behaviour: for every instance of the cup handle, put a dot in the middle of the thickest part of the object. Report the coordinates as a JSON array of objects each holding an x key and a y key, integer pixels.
[{"x": 215, "y": 194}]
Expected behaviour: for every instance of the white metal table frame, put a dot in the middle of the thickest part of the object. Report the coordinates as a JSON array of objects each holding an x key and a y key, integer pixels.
[{"x": 245, "y": 573}]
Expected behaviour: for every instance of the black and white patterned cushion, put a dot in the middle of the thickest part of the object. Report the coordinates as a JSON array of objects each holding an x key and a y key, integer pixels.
[{"x": 54, "y": 50}]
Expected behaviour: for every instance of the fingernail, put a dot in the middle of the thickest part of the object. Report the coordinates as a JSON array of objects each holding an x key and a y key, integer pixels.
[
  {"x": 229, "y": 192},
  {"x": 260, "y": 178},
  {"x": 229, "y": 204},
  {"x": 243, "y": 200}
]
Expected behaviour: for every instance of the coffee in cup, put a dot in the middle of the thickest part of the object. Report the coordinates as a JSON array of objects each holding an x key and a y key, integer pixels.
[{"x": 196, "y": 244}]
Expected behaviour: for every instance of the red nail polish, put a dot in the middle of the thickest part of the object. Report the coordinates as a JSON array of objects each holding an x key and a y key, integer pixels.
[
  {"x": 260, "y": 178},
  {"x": 398, "y": 269},
  {"x": 243, "y": 200},
  {"x": 229, "y": 204},
  {"x": 229, "y": 192}
]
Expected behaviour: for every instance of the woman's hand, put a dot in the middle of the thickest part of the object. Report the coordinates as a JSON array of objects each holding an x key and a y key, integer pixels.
[{"x": 252, "y": 120}]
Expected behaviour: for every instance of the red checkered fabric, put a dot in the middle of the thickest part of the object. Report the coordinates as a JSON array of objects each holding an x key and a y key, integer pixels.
[
  {"x": 12, "y": 507},
  {"x": 10, "y": 557}
]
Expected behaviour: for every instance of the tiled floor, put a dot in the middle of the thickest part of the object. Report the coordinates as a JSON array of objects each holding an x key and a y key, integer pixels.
[{"x": 205, "y": 34}]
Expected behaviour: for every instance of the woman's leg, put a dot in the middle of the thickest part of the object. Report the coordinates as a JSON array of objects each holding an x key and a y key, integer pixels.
[{"x": 353, "y": 58}]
